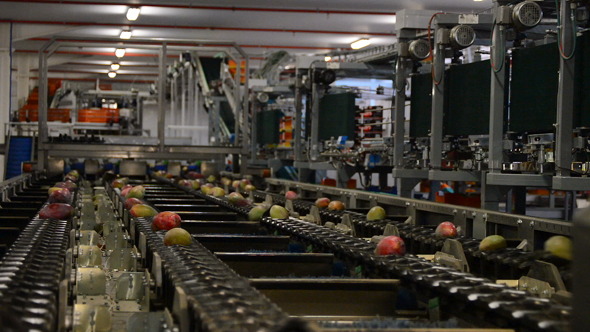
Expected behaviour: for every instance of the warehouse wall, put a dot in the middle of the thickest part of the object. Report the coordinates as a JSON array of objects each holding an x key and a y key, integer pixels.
[{"x": 5, "y": 79}]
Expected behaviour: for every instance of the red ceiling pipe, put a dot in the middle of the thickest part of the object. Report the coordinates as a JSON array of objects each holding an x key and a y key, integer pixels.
[
  {"x": 251, "y": 9},
  {"x": 102, "y": 80}
]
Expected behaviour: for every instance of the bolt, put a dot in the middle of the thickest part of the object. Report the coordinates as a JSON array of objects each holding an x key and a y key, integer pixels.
[
  {"x": 519, "y": 221},
  {"x": 532, "y": 224}
]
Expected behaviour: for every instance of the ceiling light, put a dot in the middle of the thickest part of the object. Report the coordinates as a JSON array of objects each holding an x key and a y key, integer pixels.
[
  {"x": 112, "y": 74},
  {"x": 360, "y": 43},
  {"x": 477, "y": 0},
  {"x": 115, "y": 66},
  {"x": 120, "y": 52},
  {"x": 327, "y": 58},
  {"x": 133, "y": 13},
  {"x": 125, "y": 34}
]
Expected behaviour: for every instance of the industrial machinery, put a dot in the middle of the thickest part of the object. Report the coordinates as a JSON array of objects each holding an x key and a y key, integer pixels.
[{"x": 105, "y": 268}]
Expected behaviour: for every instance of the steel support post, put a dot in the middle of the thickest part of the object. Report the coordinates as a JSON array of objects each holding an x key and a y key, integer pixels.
[
  {"x": 565, "y": 92},
  {"x": 401, "y": 69},
  {"x": 438, "y": 85},
  {"x": 298, "y": 118},
  {"x": 254, "y": 127},
  {"x": 162, "y": 98},
  {"x": 184, "y": 99},
  {"x": 43, "y": 132},
  {"x": 5, "y": 86},
  {"x": 581, "y": 272},
  {"x": 497, "y": 91},
  {"x": 315, "y": 125},
  {"x": 245, "y": 100}
]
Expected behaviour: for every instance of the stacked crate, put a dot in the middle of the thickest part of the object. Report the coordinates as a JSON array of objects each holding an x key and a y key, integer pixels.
[
  {"x": 286, "y": 132},
  {"x": 369, "y": 122}
]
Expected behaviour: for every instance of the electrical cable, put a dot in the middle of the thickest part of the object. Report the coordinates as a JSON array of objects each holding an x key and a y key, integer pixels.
[
  {"x": 429, "y": 34},
  {"x": 494, "y": 53},
  {"x": 559, "y": 41}
]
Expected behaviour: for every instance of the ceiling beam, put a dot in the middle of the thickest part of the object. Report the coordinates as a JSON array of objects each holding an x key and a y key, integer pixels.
[
  {"x": 113, "y": 80},
  {"x": 300, "y": 47},
  {"x": 210, "y": 28},
  {"x": 221, "y": 8}
]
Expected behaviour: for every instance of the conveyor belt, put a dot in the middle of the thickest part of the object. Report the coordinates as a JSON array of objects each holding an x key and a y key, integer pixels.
[
  {"x": 509, "y": 263},
  {"x": 238, "y": 275},
  {"x": 32, "y": 268},
  {"x": 461, "y": 293}
]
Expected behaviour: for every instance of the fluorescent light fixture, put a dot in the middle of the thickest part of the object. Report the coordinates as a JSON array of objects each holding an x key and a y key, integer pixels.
[
  {"x": 327, "y": 58},
  {"x": 120, "y": 52},
  {"x": 115, "y": 66},
  {"x": 112, "y": 74},
  {"x": 133, "y": 13},
  {"x": 125, "y": 34},
  {"x": 355, "y": 45}
]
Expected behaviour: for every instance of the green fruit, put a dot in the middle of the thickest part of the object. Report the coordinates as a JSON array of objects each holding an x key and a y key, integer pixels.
[
  {"x": 278, "y": 212},
  {"x": 560, "y": 246},
  {"x": 177, "y": 236},
  {"x": 196, "y": 184},
  {"x": 256, "y": 213},
  {"x": 143, "y": 211},
  {"x": 492, "y": 242},
  {"x": 217, "y": 192},
  {"x": 136, "y": 192},
  {"x": 376, "y": 213},
  {"x": 234, "y": 197}
]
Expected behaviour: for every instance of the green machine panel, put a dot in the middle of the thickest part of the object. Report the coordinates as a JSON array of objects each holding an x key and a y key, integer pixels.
[
  {"x": 337, "y": 116},
  {"x": 267, "y": 123},
  {"x": 582, "y": 82},
  {"x": 467, "y": 99},
  {"x": 212, "y": 68},
  {"x": 420, "y": 105},
  {"x": 533, "y": 90},
  {"x": 227, "y": 115}
]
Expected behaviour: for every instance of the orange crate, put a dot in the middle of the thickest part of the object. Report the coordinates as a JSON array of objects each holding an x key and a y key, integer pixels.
[
  {"x": 459, "y": 199},
  {"x": 31, "y": 113},
  {"x": 98, "y": 115}
]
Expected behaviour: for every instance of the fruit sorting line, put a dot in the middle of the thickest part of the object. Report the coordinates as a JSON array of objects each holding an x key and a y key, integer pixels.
[
  {"x": 508, "y": 263},
  {"x": 216, "y": 283},
  {"x": 462, "y": 293}
]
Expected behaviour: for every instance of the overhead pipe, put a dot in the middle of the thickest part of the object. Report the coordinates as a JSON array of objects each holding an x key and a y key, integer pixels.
[
  {"x": 233, "y": 9},
  {"x": 81, "y": 79},
  {"x": 161, "y": 26},
  {"x": 134, "y": 42}
]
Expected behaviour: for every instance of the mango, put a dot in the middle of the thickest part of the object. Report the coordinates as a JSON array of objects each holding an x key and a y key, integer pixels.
[
  {"x": 177, "y": 236},
  {"x": 136, "y": 192},
  {"x": 560, "y": 246},
  {"x": 256, "y": 213},
  {"x": 279, "y": 212},
  {"x": 142, "y": 211},
  {"x": 492, "y": 242},
  {"x": 376, "y": 213}
]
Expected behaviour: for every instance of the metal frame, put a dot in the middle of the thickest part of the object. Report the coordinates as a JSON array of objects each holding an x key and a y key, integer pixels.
[
  {"x": 436, "y": 133},
  {"x": 565, "y": 110},
  {"x": 477, "y": 223},
  {"x": 410, "y": 23},
  {"x": 136, "y": 151},
  {"x": 161, "y": 151},
  {"x": 497, "y": 105}
]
